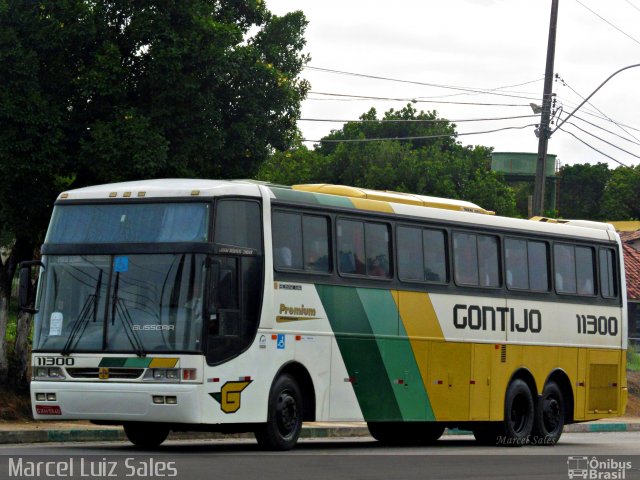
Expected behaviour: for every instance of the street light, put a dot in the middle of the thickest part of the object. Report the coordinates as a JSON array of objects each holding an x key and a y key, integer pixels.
[
  {"x": 544, "y": 130},
  {"x": 592, "y": 94}
]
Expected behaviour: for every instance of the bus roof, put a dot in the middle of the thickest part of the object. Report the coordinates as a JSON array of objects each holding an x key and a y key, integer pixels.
[
  {"x": 439, "y": 209},
  {"x": 393, "y": 197},
  {"x": 167, "y": 187}
]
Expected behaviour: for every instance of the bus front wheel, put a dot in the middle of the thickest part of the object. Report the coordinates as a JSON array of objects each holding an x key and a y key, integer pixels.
[
  {"x": 284, "y": 417},
  {"x": 146, "y": 435}
]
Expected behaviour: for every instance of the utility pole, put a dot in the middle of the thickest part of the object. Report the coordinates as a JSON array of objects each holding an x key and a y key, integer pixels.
[{"x": 543, "y": 130}]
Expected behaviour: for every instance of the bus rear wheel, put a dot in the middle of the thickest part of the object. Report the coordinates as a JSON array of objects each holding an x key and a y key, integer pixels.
[
  {"x": 284, "y": 416},
  {"x": 550, "y": 416},
  {"x": 146, "y": 435},
  {"x": 515, "y": 430},
  {"x": 406, "y": 433}
]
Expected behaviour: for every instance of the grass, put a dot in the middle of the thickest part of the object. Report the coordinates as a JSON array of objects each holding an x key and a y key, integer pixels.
[{"x": 633, "y": 359}]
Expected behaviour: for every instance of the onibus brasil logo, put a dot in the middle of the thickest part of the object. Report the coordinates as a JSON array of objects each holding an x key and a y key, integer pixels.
[{"x": 595, "y": 468}]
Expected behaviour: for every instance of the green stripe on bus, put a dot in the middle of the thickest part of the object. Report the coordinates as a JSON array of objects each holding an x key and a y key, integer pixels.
[
  {"x": 310, "y": 197},
  {"x": 112, "y": 362},
  {"x": 138, "y": 362},
  {"x": 398, "y": 356},
  {"x": 360, "y": 352},
  {"x": 133, "y": 362},
  {"x": 419, "y": 394},
  {"x": 294, "y": 195},
  {"x": 334, "y": 201}
]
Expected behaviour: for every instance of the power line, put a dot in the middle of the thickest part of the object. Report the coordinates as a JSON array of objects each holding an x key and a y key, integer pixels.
[
  {"x": 413, "y": 82},
  {"x": 350, "y": 98},
  {"x": 604, "y": 129},
  {"x": 609, "y": 23},
  {"x": 489, "y": 91},
  {"x": 630, "y": 3},
  {"x": 603, "y": 140},
  {"x": 571, "y": 104},
  {"x": 414, "y": 120},
  {"x": 596, "y": 108},
  {"x": 425, "y": 137},
  {"x": 592, "y": 147}
]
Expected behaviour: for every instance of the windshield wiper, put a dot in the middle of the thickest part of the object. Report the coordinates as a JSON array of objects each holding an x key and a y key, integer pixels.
[
  {"x": 79, "y": 327},
  {"x": 119, "y": 309}
]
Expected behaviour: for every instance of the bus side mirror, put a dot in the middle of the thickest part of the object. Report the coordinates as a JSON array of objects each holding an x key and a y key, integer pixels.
[{"x": 27, "y": 288}]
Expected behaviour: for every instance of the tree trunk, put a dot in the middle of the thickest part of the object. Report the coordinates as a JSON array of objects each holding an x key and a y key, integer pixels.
[
  {"x": 4, "y": 361},
  {"x": 7, "y": 270},
  {"x": 22, "y": 351}
]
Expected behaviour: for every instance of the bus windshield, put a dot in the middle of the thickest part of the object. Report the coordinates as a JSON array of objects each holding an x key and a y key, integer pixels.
[
  {"x": 121, "y": 303},
  {"x": 129, "y": 223}
]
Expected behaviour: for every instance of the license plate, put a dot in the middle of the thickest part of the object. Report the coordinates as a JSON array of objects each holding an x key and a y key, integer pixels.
[{"x": 48, "y": 410}]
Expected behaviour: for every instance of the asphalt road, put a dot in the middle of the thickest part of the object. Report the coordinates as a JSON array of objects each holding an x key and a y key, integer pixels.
[{"x": 361, "y": 458}]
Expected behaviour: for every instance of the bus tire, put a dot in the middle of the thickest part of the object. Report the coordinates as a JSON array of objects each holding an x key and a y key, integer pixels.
[
  {"x": 550, "y": 416},
  {"x": 519, "y": 414},
  {"x": 406, "y": 433},
  {"x": 146, "y": 435},
  {"x": 284, "y": 416}
]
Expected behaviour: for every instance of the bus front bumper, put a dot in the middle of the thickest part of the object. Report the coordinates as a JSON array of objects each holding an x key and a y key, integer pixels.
[{"x": 117, "y": 402}]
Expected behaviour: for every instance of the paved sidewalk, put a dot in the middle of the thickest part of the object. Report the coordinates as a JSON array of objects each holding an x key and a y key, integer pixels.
[{"x": 44, "y": 431}]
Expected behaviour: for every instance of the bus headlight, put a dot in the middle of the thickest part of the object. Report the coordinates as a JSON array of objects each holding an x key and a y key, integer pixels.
[
  {"x": 49, "y": 373},
  {"x": 169, "y": 375},
  {"x": 162, "y": 375}
]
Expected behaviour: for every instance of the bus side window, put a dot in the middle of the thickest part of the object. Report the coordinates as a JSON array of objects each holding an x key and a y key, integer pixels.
[
  {"x": 564, "y": 268},
  {"x": 351, "y": 247},
  {"x": 410, "y": 254},
  {"x": 435, "y": 255},
  {"x": 315, "y": 231},
  {"x": 287, "y": 240},
  {"x": 608, "y": 286},
  {"x": 585, "y": 271},
  {"x": 465, "y": 259},
  {"x": 238, "y": 223},
  {"x": 516, "y": 264},
  {"x": 378, "y": 247},
  {"x": 538, "y": 263}
]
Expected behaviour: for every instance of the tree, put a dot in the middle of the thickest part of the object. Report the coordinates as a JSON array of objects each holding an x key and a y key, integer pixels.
[
  {"x": 95, "y": 91},
  {"x": 582, "y": 188},
  {"x": 437, "y": 165},
  {"x": 621, "y": 198}
]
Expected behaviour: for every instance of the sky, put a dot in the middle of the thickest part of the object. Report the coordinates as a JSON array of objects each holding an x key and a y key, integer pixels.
[{"x": 479, "y": 45}]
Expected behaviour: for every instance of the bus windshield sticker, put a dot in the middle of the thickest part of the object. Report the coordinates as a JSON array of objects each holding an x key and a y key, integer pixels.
[
  {"x": 55, "y": 324},
  {"x": 121, "y": 264}
]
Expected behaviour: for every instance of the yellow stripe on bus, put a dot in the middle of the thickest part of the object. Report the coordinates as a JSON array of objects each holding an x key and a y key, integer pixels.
[
  {"x": 373, "y": 205},
  {"x": 163, "y": 363}
]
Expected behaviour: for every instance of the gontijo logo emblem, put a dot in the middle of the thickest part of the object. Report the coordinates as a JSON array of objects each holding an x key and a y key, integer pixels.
[{"x": 229, "y": 396}]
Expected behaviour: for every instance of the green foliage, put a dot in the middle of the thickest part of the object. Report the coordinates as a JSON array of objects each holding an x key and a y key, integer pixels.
[
  {"x": 633, "y": 359},
  {"x": 299, "y": 165},
  {"x": 582, "y": 187},
  {"x": 102, "y": 91},
  {"x": 621, "y": 199},
  {"x": 431, "y": 166}
]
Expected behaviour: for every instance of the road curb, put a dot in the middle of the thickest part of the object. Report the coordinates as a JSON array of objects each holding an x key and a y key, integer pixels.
[{"x": 117, "y": 434}]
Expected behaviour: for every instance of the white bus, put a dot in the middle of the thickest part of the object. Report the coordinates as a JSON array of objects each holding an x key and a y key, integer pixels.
[{"x": 204, "y": 305}]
